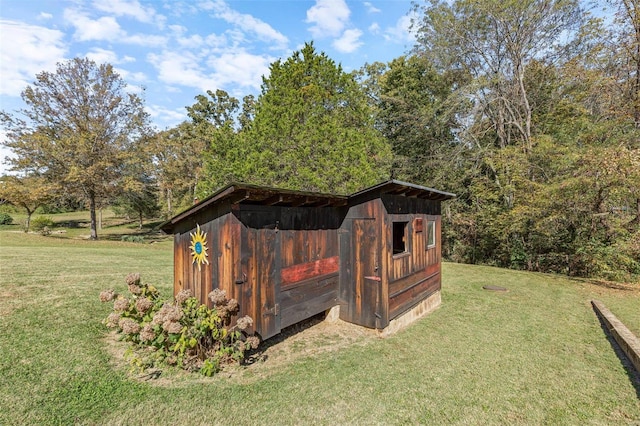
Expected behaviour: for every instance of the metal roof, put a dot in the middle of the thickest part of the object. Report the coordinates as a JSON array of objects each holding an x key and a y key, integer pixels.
[{"x": 398, "y": 187}]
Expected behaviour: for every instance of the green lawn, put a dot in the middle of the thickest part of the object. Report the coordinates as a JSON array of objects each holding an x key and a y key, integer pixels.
[{"x": 533, "y": 355}]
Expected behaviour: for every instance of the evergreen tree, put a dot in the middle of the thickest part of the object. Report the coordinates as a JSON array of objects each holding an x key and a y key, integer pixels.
[{"x": 313, "y": 129}]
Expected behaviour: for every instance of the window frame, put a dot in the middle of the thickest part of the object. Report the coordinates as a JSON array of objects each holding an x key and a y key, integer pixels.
[{"x": 431, "y": 234}]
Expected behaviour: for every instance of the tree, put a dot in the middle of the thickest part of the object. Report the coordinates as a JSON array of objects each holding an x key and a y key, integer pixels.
[
  {"x": 313, "y": 129},
  {"x": 494, "y": 41},
  {"x": 77, "y": 130},
  {"x": 178, "y": 158},
  {"x": 213, "y": 120},
  {"x": 28, "y": 192},
  {"x": 416, "y": 118},
  {"x": 138, "y": 197},
  {"x": 627, "y": 43}
]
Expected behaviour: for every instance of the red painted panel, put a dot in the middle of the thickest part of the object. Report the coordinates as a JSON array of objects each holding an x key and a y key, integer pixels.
[{"x": 305, "y": 271}]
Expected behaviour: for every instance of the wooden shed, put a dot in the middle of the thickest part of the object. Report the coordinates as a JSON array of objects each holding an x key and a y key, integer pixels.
[{"x": 289, "y": 255}]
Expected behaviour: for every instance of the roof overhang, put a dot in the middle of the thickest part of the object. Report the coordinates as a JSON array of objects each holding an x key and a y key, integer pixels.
[{"x": 241, "y": 193}]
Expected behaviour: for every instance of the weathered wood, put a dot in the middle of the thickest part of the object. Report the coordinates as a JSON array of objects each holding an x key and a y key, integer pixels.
[
  {"x": 269, "y": 320},
  {"x": 308, "y": 299},
  {"x": 398, "y": 286},
  {"x": 287, "y": 255},
  {"x": 413, "y": 295},
  {"x": 308, "y": 270}
]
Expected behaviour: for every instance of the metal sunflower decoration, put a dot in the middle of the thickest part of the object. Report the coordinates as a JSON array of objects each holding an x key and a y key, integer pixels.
[{"x": 199, "y": 247}]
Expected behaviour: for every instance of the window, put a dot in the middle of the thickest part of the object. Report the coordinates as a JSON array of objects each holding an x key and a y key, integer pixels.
[
  {"x": 400, "y": 237},
  {"x": 431, "y": 234}
]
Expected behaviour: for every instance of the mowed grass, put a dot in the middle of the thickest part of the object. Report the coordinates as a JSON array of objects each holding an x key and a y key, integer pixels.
[{"x": 534, "y": 355}]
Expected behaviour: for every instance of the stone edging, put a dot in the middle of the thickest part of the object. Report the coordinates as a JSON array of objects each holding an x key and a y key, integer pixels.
[{"x": 628, "y": 342}]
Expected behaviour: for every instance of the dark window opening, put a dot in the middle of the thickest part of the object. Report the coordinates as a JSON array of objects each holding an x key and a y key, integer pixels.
[{"x": 399, "y": 237}]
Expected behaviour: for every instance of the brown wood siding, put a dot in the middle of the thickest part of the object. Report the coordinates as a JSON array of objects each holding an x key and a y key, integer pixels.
[
  {"x": 416, "y": 293},
  {"x": 305, "y": 271},
  {"x": 412, "y": 276},
  {"x": 308, "y": 298},
  {"x": 284, "y": 263}
]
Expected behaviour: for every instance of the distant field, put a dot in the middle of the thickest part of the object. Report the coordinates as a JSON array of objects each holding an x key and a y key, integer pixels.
[
  {"x": 76, "y": 225},
  {"x": 534, "y": 355}
]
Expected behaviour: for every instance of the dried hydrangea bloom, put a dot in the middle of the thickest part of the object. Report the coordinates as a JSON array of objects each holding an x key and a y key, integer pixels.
[
  {"x": 121, "y": 304},
  {"x": 172, "y": 327},
  {"x": 182, "y": 296},
  {"x": 157, "y": 319},
  {"x": 129, "y": 326},
  {"x": 135, "y": 289},
  {"x": 107, "y": 295},
  {"x": 253, "y": 342},
  {"x": 244, "y": 322},
  {"x": 113, "y": 319},
  {"x": 174, "y": 313},
  {"x": 143, "y": 305},
  {"x": 147, "y": 334},
  {"x": 133, "y": 279},
  {"x": 218, "y": 297},
  {"x": 233, "y": 305},
  {"x": 160, "y": 316}
]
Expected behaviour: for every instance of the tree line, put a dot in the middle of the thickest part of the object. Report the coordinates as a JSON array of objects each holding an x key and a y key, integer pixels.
[{"x": 529, "y": 110}]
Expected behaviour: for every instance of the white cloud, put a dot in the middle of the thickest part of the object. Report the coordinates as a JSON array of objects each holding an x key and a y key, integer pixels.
[
  {"x": 107, "y": 28},
  {"x": 32, "y": 49},
  {"x": 166, "y": 117},
  {"x": 131, "y": 9},
  {"x": 181, "y": 68},
  {"x": 103, "y": 56},
  {"x": 43, "y": 16},
  {"x": 246, "y": 23},
  {"x": 349, "y": 42},
  {"x": 221, "y": 71},
  {"x": 128, "y": 77},
  {"x": 371, "y": 8},
  {"x": 374, "y": 28},
  {"x": 401, "y": 32},
  {"x": 239, "y": 68},
  {"x": 329, "y": 18},
  {"x": 87, "y": 29}
]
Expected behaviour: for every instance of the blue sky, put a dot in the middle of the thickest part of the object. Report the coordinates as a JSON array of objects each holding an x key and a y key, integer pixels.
[{"x": 179, "y": 49}]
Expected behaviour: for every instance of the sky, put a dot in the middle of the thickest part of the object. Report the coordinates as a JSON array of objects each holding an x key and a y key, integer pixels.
[{"x": 169, "y": 51}]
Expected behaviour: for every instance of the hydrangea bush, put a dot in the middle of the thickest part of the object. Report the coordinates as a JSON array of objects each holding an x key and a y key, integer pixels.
[{"x": 183, "y": 333}]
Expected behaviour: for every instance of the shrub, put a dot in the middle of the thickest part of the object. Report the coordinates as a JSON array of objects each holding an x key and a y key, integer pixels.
[
  {"x": 5, "y": 219},
  {"x": 183, "y": 332},
  {"x": 39, "y": 223},
  {"x": 132, "y": 238}
]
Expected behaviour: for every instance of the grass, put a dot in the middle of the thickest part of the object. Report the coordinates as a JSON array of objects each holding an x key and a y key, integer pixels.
[{"x": 534, "y": 355}]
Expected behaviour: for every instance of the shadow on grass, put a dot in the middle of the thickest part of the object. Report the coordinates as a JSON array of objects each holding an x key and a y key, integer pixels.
[
  {"x": 634, "y": 376},
  {"x": 259, "y": 355},
  {"x": 142, "y": 237},
  {"x": 73, "y": 224}
]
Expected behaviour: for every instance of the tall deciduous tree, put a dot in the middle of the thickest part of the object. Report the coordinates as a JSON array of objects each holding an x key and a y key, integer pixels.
[
  {"x": 77, "y": 129},
  {"x": 494, "y": 41},
  {"x": 178, "y": 157}
]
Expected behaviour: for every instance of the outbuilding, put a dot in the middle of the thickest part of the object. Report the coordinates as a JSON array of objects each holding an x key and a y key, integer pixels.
[{"x": 288, "y": 255}]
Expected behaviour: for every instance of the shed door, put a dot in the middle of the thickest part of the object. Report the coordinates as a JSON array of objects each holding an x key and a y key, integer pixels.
[
  {"x": 366, "y": 273},
  {"x": 269, "y": 259}
]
